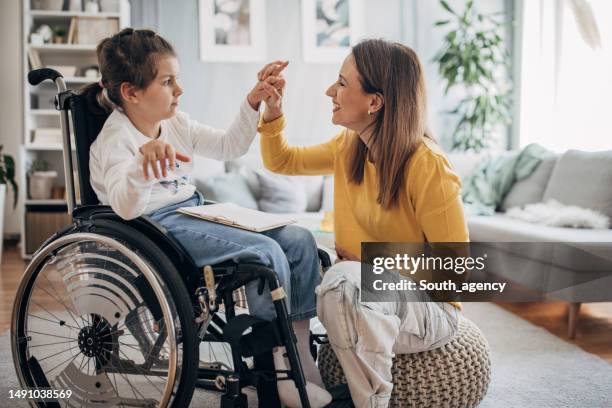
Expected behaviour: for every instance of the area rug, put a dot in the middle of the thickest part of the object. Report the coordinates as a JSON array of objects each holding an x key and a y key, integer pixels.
[{"x": 530, "y": 367}]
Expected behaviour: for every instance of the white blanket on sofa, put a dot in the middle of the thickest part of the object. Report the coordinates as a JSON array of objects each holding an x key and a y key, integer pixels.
[{"x": 555, "y": 214}]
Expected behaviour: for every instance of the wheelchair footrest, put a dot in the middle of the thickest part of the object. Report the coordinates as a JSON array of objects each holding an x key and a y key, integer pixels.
[{"x": 264, "y": 335}]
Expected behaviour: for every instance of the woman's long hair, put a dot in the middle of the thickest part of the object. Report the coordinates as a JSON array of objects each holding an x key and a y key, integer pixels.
[
  {"x": 128, "y": 56},
  {"x": 394, "y": 71}
]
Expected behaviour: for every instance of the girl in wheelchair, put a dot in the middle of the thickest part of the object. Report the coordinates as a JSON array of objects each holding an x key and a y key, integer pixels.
[{"x": 141, "y": 161}]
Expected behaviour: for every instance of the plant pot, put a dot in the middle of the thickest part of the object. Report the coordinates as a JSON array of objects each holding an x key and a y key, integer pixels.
[
  {"x": 41, "y": 183},
  {"x": 58, "y": 40},
  {"x": 2, "y": 197}
]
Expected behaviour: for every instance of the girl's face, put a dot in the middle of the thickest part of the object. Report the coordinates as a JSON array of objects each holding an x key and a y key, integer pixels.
[
  {"x": 159, "y": 100},
  {"x": 350, "y": 101}
]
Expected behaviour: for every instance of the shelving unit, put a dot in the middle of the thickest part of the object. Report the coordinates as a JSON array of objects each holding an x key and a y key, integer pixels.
[{"x": 41, "y": 218}]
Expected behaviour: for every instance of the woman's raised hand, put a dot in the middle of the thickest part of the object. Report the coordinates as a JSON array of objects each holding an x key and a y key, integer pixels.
[
  {"x": 160, "y": 157},
  {"x": 270, "y": 85},
  {"x": 271, "y": 73}
]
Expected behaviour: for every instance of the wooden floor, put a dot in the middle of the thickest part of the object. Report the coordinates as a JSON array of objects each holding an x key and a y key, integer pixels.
[{"x": 594, "y": 333}]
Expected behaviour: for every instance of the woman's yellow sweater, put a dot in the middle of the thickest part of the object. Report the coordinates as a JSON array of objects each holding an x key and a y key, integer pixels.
[{"x": 429, "y": 208}]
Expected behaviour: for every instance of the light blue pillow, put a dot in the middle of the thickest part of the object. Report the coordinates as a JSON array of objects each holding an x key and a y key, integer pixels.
[
  {"x": 228, "y": 188},
  {"x": 281, "y": 194}
]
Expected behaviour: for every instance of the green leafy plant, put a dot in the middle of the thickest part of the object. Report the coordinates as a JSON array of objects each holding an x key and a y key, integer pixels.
[
  {"x": 60, "y": 31},
  {"x": 475, "y": 59},
  {"x": 7, "y": 174},
  {"x": 38, "y": 165}
]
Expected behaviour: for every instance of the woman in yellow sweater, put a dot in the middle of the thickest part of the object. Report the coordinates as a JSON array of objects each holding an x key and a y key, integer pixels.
[{"x": 392, "y": 183}]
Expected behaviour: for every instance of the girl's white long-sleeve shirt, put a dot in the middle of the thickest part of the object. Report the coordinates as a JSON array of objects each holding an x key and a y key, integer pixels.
[{"x": 115, "y": 163}]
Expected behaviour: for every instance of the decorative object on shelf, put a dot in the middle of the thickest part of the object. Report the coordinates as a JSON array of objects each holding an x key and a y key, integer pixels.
[
  {"x": 7, "y": 176},
  {"x": 92, "y": 6},
  {"x": 45, "y": 32},
  {"x": 109, "y": 6},
  {"x": 41, "y": 180},
  {"x": 65, "y": 70},
  {"x": 92, "y": 72},
  {"x": 475, "y": 59},
  {"x": 51, "y": 5},
  {"x": 59, "y": 34},
  {"x": 36, "y": 39},
  {"x": 58, "y": 193},
  {"x": 91, "y": 30},
  {"x": 232, "y": 30},
  {"x": 75, "y": 5},
  {"x": 330, "y": 28}
]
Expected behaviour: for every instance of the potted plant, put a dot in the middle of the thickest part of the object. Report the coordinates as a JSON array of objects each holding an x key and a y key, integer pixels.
[
  {"x": 7, "y": 176},
  {"x": 59, "y": 34},
  {"x": 474, "y": 59},
  {"x": 41, "y": 180}
]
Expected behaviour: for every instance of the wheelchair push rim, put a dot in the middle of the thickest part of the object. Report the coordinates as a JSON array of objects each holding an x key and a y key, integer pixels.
[{"x": 74, "y": 327}]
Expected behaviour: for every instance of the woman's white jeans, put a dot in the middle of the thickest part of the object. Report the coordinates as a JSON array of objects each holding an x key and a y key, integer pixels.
[{"x": 365, "y": 336}]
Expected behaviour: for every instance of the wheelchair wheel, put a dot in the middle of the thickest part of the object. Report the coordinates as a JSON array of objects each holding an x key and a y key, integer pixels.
[{"x": 107, "y": 317}]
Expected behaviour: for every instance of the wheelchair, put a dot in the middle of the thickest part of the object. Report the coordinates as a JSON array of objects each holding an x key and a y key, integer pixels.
[{"x": 116, "y": 312}]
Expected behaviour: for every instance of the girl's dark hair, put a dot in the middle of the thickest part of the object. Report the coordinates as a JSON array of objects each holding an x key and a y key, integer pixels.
[
  {"x": 395, "y": 72},
  {"x": 128, "y": 56}
]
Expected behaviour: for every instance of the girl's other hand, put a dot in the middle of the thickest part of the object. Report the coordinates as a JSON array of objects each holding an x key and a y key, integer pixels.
[{"x": 160, "y": 155}]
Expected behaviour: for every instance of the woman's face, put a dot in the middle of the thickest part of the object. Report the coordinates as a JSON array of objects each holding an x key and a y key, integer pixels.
[{"x": 350, "y": 101}]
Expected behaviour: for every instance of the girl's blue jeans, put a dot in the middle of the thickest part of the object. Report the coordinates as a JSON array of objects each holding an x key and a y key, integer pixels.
[{"x": 290, "y": 251}]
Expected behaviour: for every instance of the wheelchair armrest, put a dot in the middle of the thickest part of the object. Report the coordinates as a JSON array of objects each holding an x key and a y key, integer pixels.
[{"x": 325, "y": 258}]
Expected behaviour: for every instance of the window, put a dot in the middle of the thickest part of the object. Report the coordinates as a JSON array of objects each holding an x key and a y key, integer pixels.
[{"x": 566, "y": 85}]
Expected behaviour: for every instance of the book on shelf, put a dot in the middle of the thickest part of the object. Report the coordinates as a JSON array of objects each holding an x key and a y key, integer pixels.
[
  {"x": 46, "y": 136},
  {"x": 239, "y": 217},
  {"x": 34, "y": 58}
]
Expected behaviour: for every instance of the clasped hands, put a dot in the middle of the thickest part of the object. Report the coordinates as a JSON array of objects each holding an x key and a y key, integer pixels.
[{"x": 160, "y": 157}]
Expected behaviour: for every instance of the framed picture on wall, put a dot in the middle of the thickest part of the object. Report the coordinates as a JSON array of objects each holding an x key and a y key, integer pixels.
[
  {"x": 330, "y": 28},
  {"x": 232, "y": 30}
]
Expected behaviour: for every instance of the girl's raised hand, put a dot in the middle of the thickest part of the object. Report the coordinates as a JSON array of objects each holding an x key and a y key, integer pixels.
[
  {"x": 272, "y": 69},
  {"x": 160, "y": 155},
  {"x": 270, "y": 85}
]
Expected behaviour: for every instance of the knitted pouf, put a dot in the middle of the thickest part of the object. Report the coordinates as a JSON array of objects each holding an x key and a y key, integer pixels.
[{"x": 454, "y": 375}]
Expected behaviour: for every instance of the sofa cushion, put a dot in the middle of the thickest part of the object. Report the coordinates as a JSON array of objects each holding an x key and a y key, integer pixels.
[
  {"x": 281, "y": 194},
  {"x": 531, "y": 189},
  {"x": 249, "y": 164},
  {"x": 582, "y": 250},
  {"x": 501, "y": 228},
  {"x": 583, "y": 179},
  {"x": 228, "y": 188}
]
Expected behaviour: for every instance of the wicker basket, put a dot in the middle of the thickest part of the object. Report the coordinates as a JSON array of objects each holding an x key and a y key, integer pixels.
[{"x": 454, "y": 375}]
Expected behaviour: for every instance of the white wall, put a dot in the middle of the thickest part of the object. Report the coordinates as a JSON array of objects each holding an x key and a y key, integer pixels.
[{"x": 11, "y": 104}]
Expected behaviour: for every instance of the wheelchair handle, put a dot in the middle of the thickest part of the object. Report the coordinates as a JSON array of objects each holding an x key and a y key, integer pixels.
[{"x": 37, "y": 76}]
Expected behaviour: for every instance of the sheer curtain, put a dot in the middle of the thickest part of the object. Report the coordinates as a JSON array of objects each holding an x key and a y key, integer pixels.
[{"x": 566, "y": 74}]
